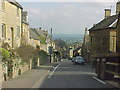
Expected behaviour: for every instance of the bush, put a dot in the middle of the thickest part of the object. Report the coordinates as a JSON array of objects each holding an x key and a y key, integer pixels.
[
  {"x": 26, "y": 52},
  {"x": 5, "y": 53}
]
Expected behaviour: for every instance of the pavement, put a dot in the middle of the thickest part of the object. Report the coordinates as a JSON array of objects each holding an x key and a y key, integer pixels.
[
  {"x": 30, "y": 79},
  {"x": 58, "y": 75}
]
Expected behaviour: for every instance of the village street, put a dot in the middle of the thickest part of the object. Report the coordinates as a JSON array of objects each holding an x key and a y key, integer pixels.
[{"x": 63, "y": 75}]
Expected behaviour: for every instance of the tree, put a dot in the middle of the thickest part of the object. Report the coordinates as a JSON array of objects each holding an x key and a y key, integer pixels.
[
  {"x": 61, "y": 46},
  {"x": 26, "y": 52},
  {"x": 60, "y": 43}
]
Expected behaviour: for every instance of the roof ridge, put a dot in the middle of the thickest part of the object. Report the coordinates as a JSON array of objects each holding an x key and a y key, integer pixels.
[{"x": 105, "y": 23}]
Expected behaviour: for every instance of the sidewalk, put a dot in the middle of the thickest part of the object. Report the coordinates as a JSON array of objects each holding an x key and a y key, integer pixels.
[{"x": 30, "y": 79}]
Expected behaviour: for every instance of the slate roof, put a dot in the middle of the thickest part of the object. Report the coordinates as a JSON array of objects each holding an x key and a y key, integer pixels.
[
  {"x": 40, "y": 32},
  {"x": 109, "y": 22},
  {"x": 34, "y": 34},
  {"x": 15, "y": 3}
]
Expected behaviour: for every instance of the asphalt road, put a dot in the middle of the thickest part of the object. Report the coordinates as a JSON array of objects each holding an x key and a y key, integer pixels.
[
  {"x": 57, "y": 75},
  {"x": 67, "y": 75}
]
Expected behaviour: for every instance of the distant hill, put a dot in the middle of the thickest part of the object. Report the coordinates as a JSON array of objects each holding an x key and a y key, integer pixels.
[{"x": 69, "y": 37}]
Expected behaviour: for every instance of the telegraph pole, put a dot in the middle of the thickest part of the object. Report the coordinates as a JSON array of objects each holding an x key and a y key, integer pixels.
[
  {"x": 51, "y": 47},
  {"x": 51, "y": 37}
]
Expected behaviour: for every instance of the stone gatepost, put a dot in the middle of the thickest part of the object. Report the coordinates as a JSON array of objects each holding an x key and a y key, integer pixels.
[
  {"x": 30, "y": 63},
  {"x": 38, "y": 62}
]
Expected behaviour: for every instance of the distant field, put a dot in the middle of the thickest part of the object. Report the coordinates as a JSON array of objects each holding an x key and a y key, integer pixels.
[{"x": 69, "y": 37}]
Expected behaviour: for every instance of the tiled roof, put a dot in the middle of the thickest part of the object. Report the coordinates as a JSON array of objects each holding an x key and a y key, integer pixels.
[
  {"x": 41, "y": 33},
  {"x": 109, "y": 22},
  {"x": 15, "y": 3},
  {"x": 34, "y": 34}
]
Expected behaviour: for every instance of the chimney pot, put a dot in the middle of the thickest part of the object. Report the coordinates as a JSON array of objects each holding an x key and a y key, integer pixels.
[{"x": 107, "y": 13}]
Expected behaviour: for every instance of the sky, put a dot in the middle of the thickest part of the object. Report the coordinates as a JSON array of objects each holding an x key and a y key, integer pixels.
[{"x": 66, "y": 16}]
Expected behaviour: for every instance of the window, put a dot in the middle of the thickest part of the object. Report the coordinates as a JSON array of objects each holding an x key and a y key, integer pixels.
[
  {"x": 104, "y": 41},
  {"x": 3, "y": 33},
  {"x": 3, "y": 5},
  {"x": 91, "y": 39},
  {"x": 17, "y": 32},
  {"x": 17, "y": 11}
]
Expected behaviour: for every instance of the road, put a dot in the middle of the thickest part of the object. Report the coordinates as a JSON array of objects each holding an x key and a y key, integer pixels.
[
  {"x": 67, "y": 75},
  {"x": 63, "y": 75}
]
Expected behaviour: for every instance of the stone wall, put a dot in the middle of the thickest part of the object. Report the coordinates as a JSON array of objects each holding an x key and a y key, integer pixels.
[{"x": 14, "y": 69}]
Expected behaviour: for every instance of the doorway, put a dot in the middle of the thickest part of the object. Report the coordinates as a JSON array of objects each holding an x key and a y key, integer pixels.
[{"x": 12, "y": 37}]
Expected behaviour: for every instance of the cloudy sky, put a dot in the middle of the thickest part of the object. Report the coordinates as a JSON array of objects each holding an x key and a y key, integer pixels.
[{"x": 66, "y": 16}]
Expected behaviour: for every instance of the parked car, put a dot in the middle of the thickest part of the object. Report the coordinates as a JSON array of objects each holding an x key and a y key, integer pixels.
[
  {"x": 73, "y": 59},
  {"x": 79, "y": 60}
]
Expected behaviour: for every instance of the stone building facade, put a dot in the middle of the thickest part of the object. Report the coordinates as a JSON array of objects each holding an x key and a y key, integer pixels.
[
  {"x": 11, "y": 23},
  {"x": 118, "y": 35},
  {"x": 104, "y": 34},
  {"x": 34, "y": 38},
  {"x": 25, "y": 28},
  {"x": 85, "y": 47}
]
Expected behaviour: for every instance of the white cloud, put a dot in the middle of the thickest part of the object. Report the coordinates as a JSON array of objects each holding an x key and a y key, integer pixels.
[{"x": 65, "y": 17}]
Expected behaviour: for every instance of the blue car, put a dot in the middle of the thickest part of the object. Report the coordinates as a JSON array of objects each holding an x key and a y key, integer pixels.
[{"x": 79, "y": 60}]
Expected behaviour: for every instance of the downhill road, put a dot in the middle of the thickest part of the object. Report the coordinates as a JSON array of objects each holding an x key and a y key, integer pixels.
[
  {"x": 67, "y": 75},
  {"x": 57, "y": 75}
]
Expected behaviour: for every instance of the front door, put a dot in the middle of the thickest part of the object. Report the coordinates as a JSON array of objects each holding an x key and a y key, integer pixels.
[{"x": 12, "y": 37}]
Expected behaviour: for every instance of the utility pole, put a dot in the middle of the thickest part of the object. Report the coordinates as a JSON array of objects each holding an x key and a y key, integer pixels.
[
  {"x": 51, "y": 37},
  {"x": 51, "y": 47}
]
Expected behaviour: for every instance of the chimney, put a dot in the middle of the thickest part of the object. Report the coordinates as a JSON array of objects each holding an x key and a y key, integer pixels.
[
  {"x": 118, "y": 7},
  {"x": 107, "y": 13},
  {"x": 86, "y": 31}
]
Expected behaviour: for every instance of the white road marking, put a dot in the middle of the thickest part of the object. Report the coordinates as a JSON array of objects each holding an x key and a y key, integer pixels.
[
  {"x": 53, "y": 71},
  {"x": 99, "y": 80}
]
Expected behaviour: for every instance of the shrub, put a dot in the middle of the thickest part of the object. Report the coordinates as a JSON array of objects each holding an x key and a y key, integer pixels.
[
  {"x": 5, "y": 53},
  {"x": 26, "y": 52}
]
